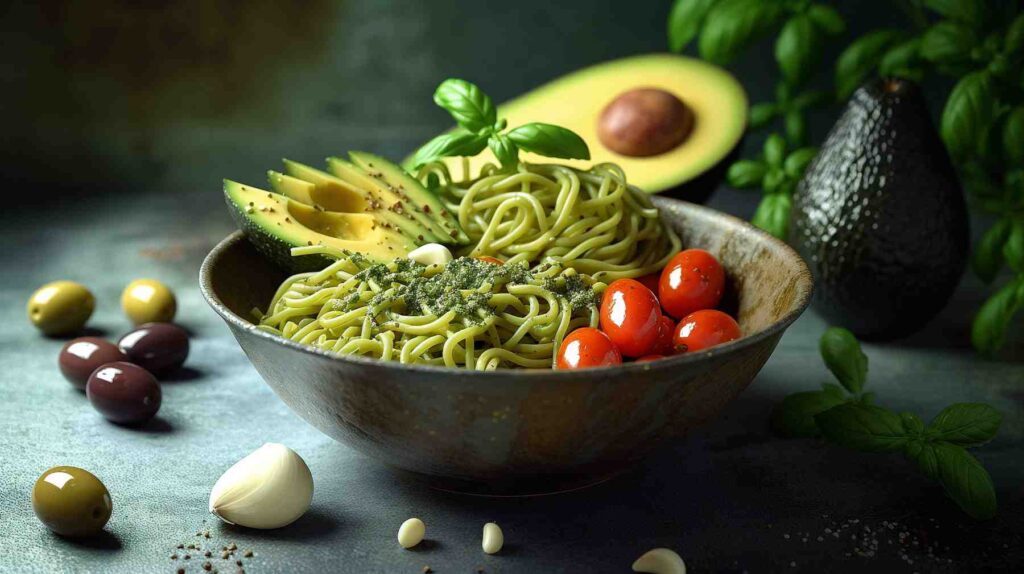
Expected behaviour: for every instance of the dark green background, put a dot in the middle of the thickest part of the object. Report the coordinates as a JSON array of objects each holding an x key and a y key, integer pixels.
[{"x": 119, "y": 123}]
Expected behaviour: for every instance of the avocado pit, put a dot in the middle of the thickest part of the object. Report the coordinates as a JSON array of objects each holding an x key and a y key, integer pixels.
[{"x": 644, "y": 122}]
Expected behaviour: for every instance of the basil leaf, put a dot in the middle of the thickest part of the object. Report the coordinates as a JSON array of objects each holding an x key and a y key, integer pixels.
[
  {"x": 796, "y": 49},
  {"x": 774, "y": 150},
  {"x": 1014, "y": 41},
  {"x": 966, "y": 424},
  {"x": 827, "y": 18},
  {"x": 987, "y": 258},
  {"x": 1013, "y": 136},
  {"x": 1013, "y": 249},
  {"x": 685, "y": 20},
  {"x": 503, "y": 149},
  {"x": 844, "y": 357},
  {"x": 761, "y": 114},
  {"x": 456, "y": 143},
  {"x": 988, "y": 332},
  {"x": 794, "y": 416},
  {"x": 862, "y": 427},
  {"x": 746, "y": 173},
  {"x": 902, "y": 60},
  {"x": 922, "y": 453},
  {"x": 834, "y": 390},
  {"x": 772, "y": 214},
  {"x": 970, "y": 107},
  {"x": 948, "y": 43},
  {"x": 810, "y": 98},
  {"x": 970, "y": 12},
  {"x": 731, "y": 25},
  {"x": 912, "y": 424},
  {"x": 471, "y": 108},
  {"x": 549, "y": 140},
  {"x": 796, "y": 127},
  {"x": 964, "y": 480},
  {"x": 860, "y": 57},
  {"x": 796, "y": 163}
]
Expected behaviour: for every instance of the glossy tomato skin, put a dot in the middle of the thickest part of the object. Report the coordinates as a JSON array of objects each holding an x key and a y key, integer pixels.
[
  {"x": 651, "y": 281},
  {"x": 665, "y": 344},
  {"x": 692, "y": 280},
  {"x": 491, "y": 260},
  {"x": 704, "y": 329},
  {"x": 630, "y": 316},
  {"x": 587, "y": 347},
  {"x": 649, "y": 358}
]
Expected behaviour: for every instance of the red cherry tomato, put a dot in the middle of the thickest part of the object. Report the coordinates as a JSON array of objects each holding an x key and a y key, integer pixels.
[
  {"x": 692, "y": 280},
  {"x": 491, "y": 260},
  {"x": 651, "y": 281},
  {"x": 703, "y": 329},
  {"x": 665, "y": 344},
  {"x": 630, "y": 316},
  {"x": 648, "y": 358},
  {"x": 587, "y": 347}
]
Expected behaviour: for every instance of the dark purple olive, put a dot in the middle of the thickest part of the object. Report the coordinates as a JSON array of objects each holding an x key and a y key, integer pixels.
[
  {"x": 124, "y": 393},
  {"x": 81, "y": 356},
  {"x": 157, "y": 347}
]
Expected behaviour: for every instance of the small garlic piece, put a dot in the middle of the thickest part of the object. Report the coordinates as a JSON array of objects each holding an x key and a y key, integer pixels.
[
  {"x": 270, "y": 488},
  {"x": 493, "y": 538},
  {"x": 431, "y": 254},
  {"x": 660, "y": 561},
  {"x": 411, "y": 532}
]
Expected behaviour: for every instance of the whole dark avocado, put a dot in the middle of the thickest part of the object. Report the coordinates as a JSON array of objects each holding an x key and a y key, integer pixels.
[{"x": 880, "y": 217}]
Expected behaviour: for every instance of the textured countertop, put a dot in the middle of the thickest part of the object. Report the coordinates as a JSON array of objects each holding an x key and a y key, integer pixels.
[{"x": 125, "y": 183}]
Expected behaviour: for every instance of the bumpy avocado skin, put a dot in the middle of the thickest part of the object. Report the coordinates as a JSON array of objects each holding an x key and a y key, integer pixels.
[{"x": 880, "y": 217}]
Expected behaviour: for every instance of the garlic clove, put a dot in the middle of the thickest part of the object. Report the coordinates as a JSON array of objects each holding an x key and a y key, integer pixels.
[
  {"x": 270, "y": 488},
  {"x": 411, "y": 532},
  {"x": 431, "y": 254},
  {"x": 493, "y": 539},
  {"x": 660, "y": 561}
]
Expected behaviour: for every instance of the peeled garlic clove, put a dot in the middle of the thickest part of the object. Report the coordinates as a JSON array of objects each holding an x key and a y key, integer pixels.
[
  {"x": 431, "y": 254},
  {"x": 270, "y": 488},
  {"x": 660, "y": 561},
  {"x": 411, "y": 532},
  {"x": 494, "y": 539}
]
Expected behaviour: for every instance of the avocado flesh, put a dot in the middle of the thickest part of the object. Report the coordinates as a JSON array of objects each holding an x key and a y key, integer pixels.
[
  {"x": 332, "y": 196},
  {"x": 275, "y": 224},
  {"x": 575, "y": 101},
  {"x": 880, "y": 217},
  {"x": 397, "y": 178},
  {"x": 335, "y": 190}
]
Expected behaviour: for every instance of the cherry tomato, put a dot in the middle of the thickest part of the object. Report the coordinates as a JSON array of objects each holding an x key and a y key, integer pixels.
[
  {"x": 491, "y": 260},
  {"x": 665, "y": 345},
  {"x": 648, "y": 358},
  {"x": 692, "y": 280},
  {"x": 630, "y": 316},
  {"x": 587, "y": 347},
  {"x": 703, "y": 329},
  {"x": 651, "y": 281}
]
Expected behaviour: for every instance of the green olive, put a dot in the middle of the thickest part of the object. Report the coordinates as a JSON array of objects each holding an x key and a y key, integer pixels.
[
  {"x": 148, "y": 301},
  {"x": 61, "y": 307},
  {"x": 71, "y": 501}
]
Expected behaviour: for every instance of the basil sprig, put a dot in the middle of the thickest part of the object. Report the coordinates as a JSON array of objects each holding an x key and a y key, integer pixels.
[
  {"x": 479, "y": 129},
  {"x": 846, "y": 416}
]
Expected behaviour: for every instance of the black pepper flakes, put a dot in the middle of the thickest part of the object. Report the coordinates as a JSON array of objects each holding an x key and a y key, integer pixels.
[{"x": 207, "y": 566}]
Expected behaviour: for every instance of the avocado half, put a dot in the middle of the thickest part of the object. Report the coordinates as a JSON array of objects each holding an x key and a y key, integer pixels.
[{"x": 691, "y": 170}]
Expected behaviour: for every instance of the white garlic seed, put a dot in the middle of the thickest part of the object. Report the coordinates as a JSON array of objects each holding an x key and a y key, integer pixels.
[
  {"x": 431, "y": 254},
  {"x": 411, "y": 532},
  {"x": 493, "y": 538},
  {"x": 270, "y": 488},
  {"x": 660, "y": 561}
]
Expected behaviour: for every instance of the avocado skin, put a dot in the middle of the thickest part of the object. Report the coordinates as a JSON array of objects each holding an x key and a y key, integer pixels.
[
  {"x": 880, "y": 217},
  {"x": 274, "y": 248}
]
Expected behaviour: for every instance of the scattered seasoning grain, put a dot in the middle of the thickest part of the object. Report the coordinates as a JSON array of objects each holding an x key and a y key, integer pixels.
[
  {"x": 187, "y": 557},
  {"x": 206, "y": 533},
  {"x": 181, "y": 546},
  {"x": 207, "y": 566},
  {"x": 225, "y": 555},
  {"x": 248, "y": 554},
  {"x": 174, "y": 556},
  {"x": 207, "y": 554},
  {"x": 427, "y": 570},
  {"x": 181, "y": 571}
]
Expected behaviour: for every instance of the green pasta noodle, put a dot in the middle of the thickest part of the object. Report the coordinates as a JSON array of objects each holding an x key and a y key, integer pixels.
[{"x": 562, "y": 233}]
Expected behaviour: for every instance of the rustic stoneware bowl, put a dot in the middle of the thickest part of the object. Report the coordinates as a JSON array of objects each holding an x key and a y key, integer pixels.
[{"x": 512, "y": 431}]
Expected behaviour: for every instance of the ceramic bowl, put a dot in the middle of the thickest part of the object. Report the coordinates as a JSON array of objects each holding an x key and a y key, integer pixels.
[{"x": 515, "y": 431}]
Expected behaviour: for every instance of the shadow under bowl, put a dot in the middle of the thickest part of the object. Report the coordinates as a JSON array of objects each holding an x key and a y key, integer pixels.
[{"x": 517, "y": 432}]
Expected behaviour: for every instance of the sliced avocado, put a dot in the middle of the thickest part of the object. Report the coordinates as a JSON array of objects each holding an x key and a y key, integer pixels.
[
  {"x": 340, "y": 190},
  {"x": 274, "y": 224},
  {"x": 392, "y": 198},
  {"x": 396, "y": 178},
  {"x": 330, "y": 195},
  {"x": 691, "y": 169}
]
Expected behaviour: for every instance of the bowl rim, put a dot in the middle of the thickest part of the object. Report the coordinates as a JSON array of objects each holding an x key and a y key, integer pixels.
[{"x": 804, "y": 276}]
